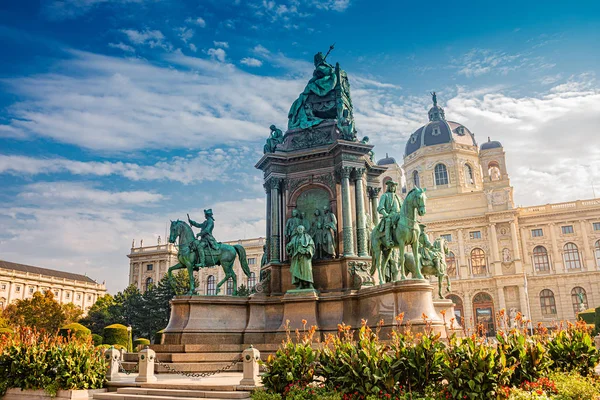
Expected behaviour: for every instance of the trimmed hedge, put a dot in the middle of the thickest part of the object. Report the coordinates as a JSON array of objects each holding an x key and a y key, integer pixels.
[
  {"x": 116, "y": 334},
  {"x": 588, "y": 316},
  {"x": 75, "y": 330},
  {"x": 97, "y": 339},
  {"x": 158, "y": 337},
  {"x": 140, "y": 343}
]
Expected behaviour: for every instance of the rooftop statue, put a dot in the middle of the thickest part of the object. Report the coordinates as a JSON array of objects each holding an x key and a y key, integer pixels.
[{"x": 275, "y": 138}]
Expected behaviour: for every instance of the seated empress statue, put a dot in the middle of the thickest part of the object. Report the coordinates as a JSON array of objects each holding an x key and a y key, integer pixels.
[{"x": 322, "y": 83}]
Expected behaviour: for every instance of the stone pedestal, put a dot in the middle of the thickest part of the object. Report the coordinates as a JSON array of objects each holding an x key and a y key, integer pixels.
[
  {"x": 299, "y": 305},
  {"x": 447, "y": 306}
]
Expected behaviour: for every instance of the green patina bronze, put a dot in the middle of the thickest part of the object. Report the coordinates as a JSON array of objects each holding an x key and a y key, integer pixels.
[
  {"x": 404, "y": 230},
  {"x": 301, "y": 249},
  {"x": 433, "y": 260},
  {"x": 194, "y": 254},
  {"x": 275, "y": 138}
]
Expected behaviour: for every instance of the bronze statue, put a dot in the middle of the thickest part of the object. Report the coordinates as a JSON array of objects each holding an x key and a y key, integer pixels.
[
  {"x": 292, "y": 224},
  {"x": 389, "y": 204},
  {"x": 301, "y": 248},
  {"x": 275, "y": 138},
  {"x": 316, "y": 232},
  {"x": 207, "y": 241},
  {"x": 329, "y": 231}
]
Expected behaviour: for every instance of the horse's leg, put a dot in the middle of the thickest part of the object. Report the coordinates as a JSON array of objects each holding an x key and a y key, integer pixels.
[
  {"x": 384, "y": 264},
  {"x": 415, "y": 250},
  {"x": 234, "y": 277},
  {"x": 218, "y": 289},
  {"x": 401, "y": 261},
  {"x": 170, "y": 273},
  {"x": 448, "y": 282},
  {"x": 394, "y": 268}
]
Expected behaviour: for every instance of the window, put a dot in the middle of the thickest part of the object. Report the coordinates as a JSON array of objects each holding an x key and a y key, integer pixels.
[
  {"x": 579, "y": 299},
  {"x": 571, "y": 255},
  {"x": 441, "y": 175},
  {"x": 478, "y": 264},
  {"x": 416, "y": 179},
  {"x": 537, "y": 232},
  {"x": 211, "y": 286},
  {"x": 447, "y": 237},
  {"x": 56, "y": 292},
  {"x": 89, "y": 297},
  {"x": 4, "y": 286},
  {"x": 149, "y": 267},
  {"x": 494, "y": 171},
  {"x": 475, "y": 235},
  {"x": 251, "y": 261},
  {"x": 78, "y": 296},
  {"x": 547, "y": 302},
  {"x": 149, "y": 283},
  {"x": 469, "y": 175},
  {"x": 31, "y": 289},
  {"x": 540, "y": 259},
  {"x": 230, "y": 287},
  {"x": 483, "y": 305},
  {"x": 18, "y": 289},
  {"x": 68, "y": 296},
  {"x": 596, "y": 226},
  {"x": 251, "y": 281},
  {"x": 567, "y": 229},
  {"x": 597, "y": 252},
  {"x": 451, "y": 265}
]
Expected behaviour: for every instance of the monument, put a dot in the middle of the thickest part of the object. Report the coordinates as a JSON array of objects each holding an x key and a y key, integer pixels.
[{"x": 321, "y": 184}]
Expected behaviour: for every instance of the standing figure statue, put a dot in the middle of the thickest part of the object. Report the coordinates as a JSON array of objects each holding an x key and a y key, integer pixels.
[
  {"x": 329, "y": 232},
  {"x": 434, "y": 98},
  {"x": 207, "y": 241},
  {"x": 389, "y": 204},
  {"x": 275, "y": 138},
  {"x": 292, "y": 224},
  {"x": 301, "y": 248},
  {"x": 317, "y": 232}
]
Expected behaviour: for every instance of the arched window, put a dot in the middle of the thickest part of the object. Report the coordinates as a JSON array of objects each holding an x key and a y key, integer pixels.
[
  {"x": 441, "y": 175},
  {"x": 571, "y": 256},
  {"x": 483, "y": 304},
  {"x": 149, "y": 283},
  {"x": 469, "y": 175},
  {"x": 230, "y": 287},
  {"x": 416, "y": 179},
  {"x": 478, "y": 264},
  {"x": 494, "y": 171},
  {"x": 211, "y": 287},
  {"x": 579, "y": 299},
  {"x": 540, "y": 259},
  {"x": 251, "y": 281},
  {"x": 451, "y": 264},
  {"x": 597, "y": 252},
  {"x": 458, "y": 308},
  {"x": 547, "y": 302}
]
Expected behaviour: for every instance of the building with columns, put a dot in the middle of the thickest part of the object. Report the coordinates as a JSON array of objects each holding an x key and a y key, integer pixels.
[
  {"x": 538, "y": 260},
  {"x": 148, "y": 265},
  {"x": 19, "y": 281}
]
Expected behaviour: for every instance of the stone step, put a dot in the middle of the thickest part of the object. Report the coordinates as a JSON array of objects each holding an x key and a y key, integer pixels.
[
  {"x": 207, "y": 394},
  {"x": 210, "y": 348},
  {"x": 203, "y": 357},
  {"x": 123, "y": 396}
]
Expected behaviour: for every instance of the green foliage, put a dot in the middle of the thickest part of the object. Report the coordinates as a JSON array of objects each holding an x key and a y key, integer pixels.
[
  {"x": 40, "y": 311},
  {"x": 572, "y": 386},
  {"x": 293, "y": 363},
  {"x": 589, "y": 316},
  {"x": 362, "y": 366},
  {"x": 474, "y": 369},
  {"x": 32, "y": 360},
  {"x": 309, "y": 392},
  {"x": 243, "y": 291},
  {"x": 596, "y": 321},
  {"x": 520, "y": 394},
  {"x": 526, "y": 356},
  {"x": 75, "y": 329},
  {"x": 71, "y": 312},
  {"x": 100, "y": 314},
  {"x": 573, "y": 350},
  {"x": 262, "y": 394},
  {"x": 116, "y": 334},
  {"x": 97, "y": 339},
  {"x": 140, "y": 343}
]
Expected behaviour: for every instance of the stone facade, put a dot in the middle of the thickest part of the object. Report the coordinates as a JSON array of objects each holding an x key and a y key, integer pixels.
[
  {"x": 529, "y": 259},
  {"x": 148, "y": 265},
  {"x": 18, "y": 281}
]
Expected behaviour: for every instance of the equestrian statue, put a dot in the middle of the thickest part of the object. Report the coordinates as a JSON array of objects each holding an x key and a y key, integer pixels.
[
  {"x": 397, "y": 228},
  {"x": 205, "y": 252}
]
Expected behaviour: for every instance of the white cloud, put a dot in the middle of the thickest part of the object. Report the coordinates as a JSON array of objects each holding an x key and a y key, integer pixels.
[
  {"x": 68, "y": 9},
  {"x": 251, "y": 62},
  {"x": 224, "y": 45},
  {"x": 193, "y": 47},
  {"x": 335, "y": 5},
  {"x": 217, "y": 54},
  {"x": 152, "y": 38},
  {"x": 197, "y": 21},
  {"x": 185, "y": 34},
  {"x": 122, "y": 46},
  {"x": 484, "y": 61}
]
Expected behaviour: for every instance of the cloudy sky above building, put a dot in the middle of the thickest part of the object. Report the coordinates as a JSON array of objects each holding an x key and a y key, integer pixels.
[{"x": 118, "y": 115}]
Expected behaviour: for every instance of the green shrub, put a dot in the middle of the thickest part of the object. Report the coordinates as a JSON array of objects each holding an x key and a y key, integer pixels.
[
  {"x": 103, "y": 346},
  {"x": 589, "y": 316},
  {"x": 520, "y": 394},
  {"x": 75, "y": 330},
  {"x": 572, "y": 386},
  {"x": 262, "y": 394},
  {"x": 158, "y": 337},
  {"x": 573, "y": 350},
  {"x": 140, "y": 344},
  {"x": 116, "y": 334},
  {"x": 596, "y": 321},
  {"x": 310, "y": 392},
  {"x": 526, "y": 356},
  {"x": 30, "y": 360},
  {"x": 97, "y": 339},
  {"x": 293, "y": 363},
  {"x": 474, "y": 369}
]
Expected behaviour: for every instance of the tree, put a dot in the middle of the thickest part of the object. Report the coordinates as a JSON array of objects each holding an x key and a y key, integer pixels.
[
  {"x": 99, "y": 315},
  {"x": 72, "y": 313},
  {"x": 41, "y": 312}
]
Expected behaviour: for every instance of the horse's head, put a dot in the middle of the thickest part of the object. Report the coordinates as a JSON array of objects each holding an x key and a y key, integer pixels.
[
  {"x": 174, "y": 231},
  {"x": 419, "y": 199}
]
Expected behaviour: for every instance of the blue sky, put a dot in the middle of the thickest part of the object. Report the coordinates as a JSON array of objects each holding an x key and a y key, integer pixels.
[{"x": 118, "y": 115}]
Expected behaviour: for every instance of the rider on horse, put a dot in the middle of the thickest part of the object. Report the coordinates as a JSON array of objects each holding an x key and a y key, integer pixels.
[
  {"x": 389, "y": 204},
  {"x": 206, "y": 237},
  {"x": 428, "y": 252}
]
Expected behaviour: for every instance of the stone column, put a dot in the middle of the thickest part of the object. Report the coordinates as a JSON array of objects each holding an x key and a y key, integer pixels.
[
  {"x": 501, "y": 300},
  {"x": 495, "y": 252},
  {"x": 523, "y": 300},
  {"x": 556, "y": 257},
  {"x": 524, "y": 249},
  {"x": 268, "y": 216},
  {"x": 9, "y": 295},
  {"x": 374, "y": 197},
  {"x": 461, "y": 255},
  {"x": 515, "y": 240},
  {"x": 275, "y": 217},
  {"x": 587, "y": 250},
  {"x": 140, "y": 275},
  {"x": 347, "y": 212},
  {"x": 361, "y": 238}
]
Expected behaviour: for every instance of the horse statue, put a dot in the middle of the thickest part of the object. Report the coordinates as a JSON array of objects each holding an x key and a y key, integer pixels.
[
  {"x": 405, "y": 231},
  {"x": 188, "y": 256},
  {"x": 435, "y": 267}
]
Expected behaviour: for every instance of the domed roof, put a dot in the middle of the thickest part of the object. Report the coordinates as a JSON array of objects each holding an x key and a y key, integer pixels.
[
  {"x": 491, "y": 144},
  {"x": 438, "y": 131},
  {"x": 387, "y": 160}
]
